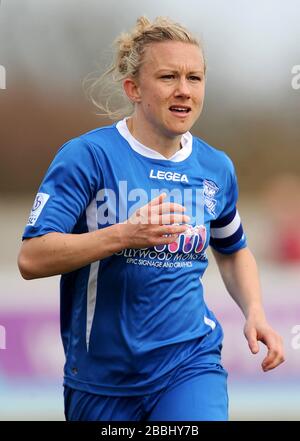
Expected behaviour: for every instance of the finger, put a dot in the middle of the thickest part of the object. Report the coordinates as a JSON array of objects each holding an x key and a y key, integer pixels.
[
  {"x": 172, "y": 229},
  {"x": 158, "y": 200},
  {"x": 166, "y": 239},
  {"x": 168, "y": 207},
  {"x": 251, "y": 337},
  {"x": 269, "y": 359},
  {"x": 272, "y": 360},
  {"x": 274, "y": 364},
  {"x": 173, "y": 218}
]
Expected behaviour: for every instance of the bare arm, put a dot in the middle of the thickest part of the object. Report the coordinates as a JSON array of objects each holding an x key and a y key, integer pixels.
[
  {"x": 240, "y": 275},
  {"x": 58, "y": 253}
]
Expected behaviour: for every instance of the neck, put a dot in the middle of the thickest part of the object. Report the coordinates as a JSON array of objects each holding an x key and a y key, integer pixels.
[{"x": 166, "y": 146}]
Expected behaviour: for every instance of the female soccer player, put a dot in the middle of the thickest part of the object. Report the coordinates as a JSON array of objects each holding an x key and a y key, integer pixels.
[{"x": 125, "y": 214}]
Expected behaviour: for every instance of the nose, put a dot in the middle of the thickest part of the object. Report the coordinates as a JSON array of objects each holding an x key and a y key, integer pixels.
[{"x": 182, "y": 88}]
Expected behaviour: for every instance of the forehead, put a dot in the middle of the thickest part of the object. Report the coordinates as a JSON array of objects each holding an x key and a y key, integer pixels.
[{"x": 173, "y": 55}]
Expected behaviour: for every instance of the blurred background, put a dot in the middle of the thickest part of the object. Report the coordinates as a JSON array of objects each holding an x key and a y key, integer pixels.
[{"x": 252, "y": 112}]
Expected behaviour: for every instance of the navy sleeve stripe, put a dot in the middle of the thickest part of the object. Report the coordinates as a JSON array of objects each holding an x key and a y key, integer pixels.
[
  {"x": 228, "y": 230},
  {"x": 228, "y": 241},
  {"x": 219, "y": 223}
]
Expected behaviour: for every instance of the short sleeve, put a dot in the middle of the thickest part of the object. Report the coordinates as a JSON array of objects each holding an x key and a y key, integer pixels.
[
  {"x": 226, "y": 232},
  {"x": 68, "y": 187}
]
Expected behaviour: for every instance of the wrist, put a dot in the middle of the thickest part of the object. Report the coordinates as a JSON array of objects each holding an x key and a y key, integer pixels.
[
  {"x": 109, "y": 241},
  {"x": 121, "y": 232},
  {"x": 255, "y": 311}
]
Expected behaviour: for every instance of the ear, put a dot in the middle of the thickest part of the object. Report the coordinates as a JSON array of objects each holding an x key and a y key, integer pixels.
[{"x": 132, "y": 90}]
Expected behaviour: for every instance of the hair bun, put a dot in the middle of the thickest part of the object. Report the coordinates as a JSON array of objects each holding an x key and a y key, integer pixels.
[
  {"x": 124, "y": 42},
  {"x": 142, "y": 23}
]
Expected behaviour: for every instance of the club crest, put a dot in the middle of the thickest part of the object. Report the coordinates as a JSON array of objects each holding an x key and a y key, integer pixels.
[{"x": 210, "y": 190}]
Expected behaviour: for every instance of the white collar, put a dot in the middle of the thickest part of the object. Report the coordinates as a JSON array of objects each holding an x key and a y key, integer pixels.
[{"x": 180, "y": 155}]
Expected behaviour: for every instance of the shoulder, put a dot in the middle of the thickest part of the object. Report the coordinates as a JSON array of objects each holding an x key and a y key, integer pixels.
[
  {"x": 101, "y": 137},
  {"x": 212, "y": 157},
  {"x": 99, "y": 132},
  {"x": 89, "y": 143}
]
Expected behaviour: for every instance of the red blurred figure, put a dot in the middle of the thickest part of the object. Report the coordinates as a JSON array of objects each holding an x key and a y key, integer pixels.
[{"x": 282, "y": 201}]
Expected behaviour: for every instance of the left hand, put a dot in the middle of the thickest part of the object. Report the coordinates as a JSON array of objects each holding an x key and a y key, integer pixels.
[{"x": 257, "y": 329}]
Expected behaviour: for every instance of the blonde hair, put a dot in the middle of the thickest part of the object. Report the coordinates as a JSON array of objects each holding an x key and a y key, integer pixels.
[{"x": 130, "y": 47}]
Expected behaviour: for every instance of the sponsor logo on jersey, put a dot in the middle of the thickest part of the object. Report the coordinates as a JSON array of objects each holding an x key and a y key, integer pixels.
[
  {"x": 188, "y": 247},
  {"x": 38, "y": 205},
  {"x": 191, "y": 241},
  {"x": 210, "y": 189},
  {"x": 168, "y": 176}
]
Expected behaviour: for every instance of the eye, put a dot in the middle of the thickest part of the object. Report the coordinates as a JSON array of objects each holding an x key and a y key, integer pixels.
[
  {"x": 168, "y": 77},
  {"x": 195, "y": 78}
]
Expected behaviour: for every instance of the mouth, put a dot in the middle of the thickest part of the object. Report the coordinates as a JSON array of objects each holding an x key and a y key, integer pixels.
[{"x": 180, "y": 110}]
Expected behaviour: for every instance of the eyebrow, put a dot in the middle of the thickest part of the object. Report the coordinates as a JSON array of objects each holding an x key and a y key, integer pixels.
[{"x": 166, "y": 69}]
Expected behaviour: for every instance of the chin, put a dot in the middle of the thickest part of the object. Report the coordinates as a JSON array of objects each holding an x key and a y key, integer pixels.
[
  {"x": 180, "y": 129},
  {"x": 176, "y": 128}
]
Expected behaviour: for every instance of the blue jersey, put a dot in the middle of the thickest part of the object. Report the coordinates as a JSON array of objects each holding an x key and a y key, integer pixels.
[{"x": 129, "y": 319}]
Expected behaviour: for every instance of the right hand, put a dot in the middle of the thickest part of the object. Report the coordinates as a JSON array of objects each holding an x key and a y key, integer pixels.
[{"x": 153, "y": 224}]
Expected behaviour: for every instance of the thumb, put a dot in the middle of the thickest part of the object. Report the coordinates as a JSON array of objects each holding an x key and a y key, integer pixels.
[{"x": 251, "y": 337}]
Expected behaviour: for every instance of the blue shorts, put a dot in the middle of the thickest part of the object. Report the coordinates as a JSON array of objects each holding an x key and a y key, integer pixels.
[{"x": 194, "y": 393}]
